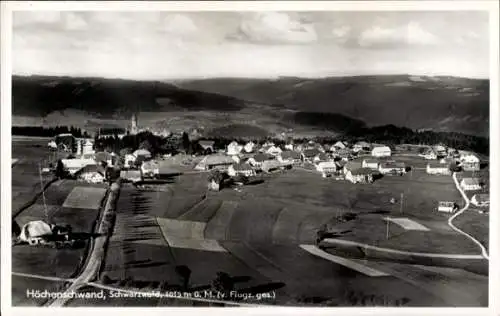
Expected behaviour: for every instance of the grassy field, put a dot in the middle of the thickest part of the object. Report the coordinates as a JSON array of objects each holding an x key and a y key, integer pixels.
[
  {"x": 50, "y": 261},
  {"x": 475, "y": 224}
]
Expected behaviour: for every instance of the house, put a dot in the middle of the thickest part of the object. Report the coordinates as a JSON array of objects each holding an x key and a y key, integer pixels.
[
  {"x": 360, "y": 175},
  {"x": 273, "y": 165},
  {"x": 339, "y": 145},
  {"x": 309, "y": 154},
  {"x": 289, "y": 146},
  {"x": 241, "y": 169},
  {"x": 142, "y": 154},
  {"x": 381, "y": 151},
  {"x": 215, "y": 161},
  {"x": 343, "y": 154},
  {"x": 351, "y": 165},
  {"x": 129, "y": 161},
  {"x": 92, "y": 173},
  {"x": 470, "y": 184},
  {"x": 429, "y": 154},
  {"x": 440, "y": 150},
  {"x": 481, "y": 200},
  {"x": 288, "y": 156},
  {"x": 249, "y": 147},
  {"x": 259, "y": 159},
  {"x": 234, "y": 148},
  {"x": 150, "y": 168},
  {"x": 326, "y": 168},
  {"x": 321, "y": 157},
  {"x": 213, "y": 185},
  {"x": 438, "y": 168},
  {"x": 207, "y": 145},
  {"x": 370, "y": 163},
  {"x": 469, "y": 161},
  {"x": 359, "y": 146},
  {"x": 74, "y": 165},
  {"x": 273, "y": 150},
  {"x": 392, "y": 167},
  {"x": 447, "y": 207},
  {"x": 104, "y": 157}
]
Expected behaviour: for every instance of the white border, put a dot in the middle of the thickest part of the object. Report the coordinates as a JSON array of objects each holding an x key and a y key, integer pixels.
[{"x": 6, "y": 28}]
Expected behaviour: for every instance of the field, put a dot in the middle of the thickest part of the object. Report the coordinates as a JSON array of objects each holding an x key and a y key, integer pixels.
[
  {"x": 21, "y": 284},
  {"x": 254, "y": 235}
]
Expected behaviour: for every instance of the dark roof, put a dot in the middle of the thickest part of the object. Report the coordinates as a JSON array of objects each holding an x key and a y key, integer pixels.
[
  {"x": 392, "y": 164},
  {"x": 290, "y": 154},
  {"x": 361, "y": 171},
  {"x": 310, "y": 153},
  {"x": 91, "y": 168},
  {"x": 263, "y": 157},
  {"x": 102, "y": 156},
  {"x": 352, "y": 165},
  {"x": 242, "y": 167}
]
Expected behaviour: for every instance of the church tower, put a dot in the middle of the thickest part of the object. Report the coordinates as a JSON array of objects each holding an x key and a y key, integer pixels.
[{"x": 133, "y": 124}]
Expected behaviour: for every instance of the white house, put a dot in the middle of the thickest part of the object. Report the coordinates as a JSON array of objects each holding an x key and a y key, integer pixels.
[
  {"x": 73, "y": 165},
  {"x": 142, "y": 152},
  {"x": 370, "y": 163},
  {"x": 129, "y": 161},
  {"x": 326, "y": 168},
  {"x": 273, "y": 150},
  {"x": 381, "y": 151},
  {"x": 429, "y": 154},
  {"x": 392, "y": 167},
  {"x": 481, "y": 200},
  {"x": 438, "y": 168},
  {"x": 241, "y": 169},
  {"x": 360, "y": 175},
  {"x": 469, "y": 161},
  {"x": 234, "y": 148},
  {"x": 150, "y": 168},
  {"x": 289, "y": 146},
  {"x": 289, "y": 156},
  {"x": 249, "y": 147},
  {"x": 447, "y": 207},
  {"x": 91, "y": 173},
  {"x": 340, "y": 145},
  {"x": 470, "y": 184}
]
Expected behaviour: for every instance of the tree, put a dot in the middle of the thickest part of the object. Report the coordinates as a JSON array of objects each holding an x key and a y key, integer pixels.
[
  {"x": 184, "y": 273},
  {"x": 223, "y": 283},
  {"x": 185, "y": 142},
  {"x": 61, "y": 172}
]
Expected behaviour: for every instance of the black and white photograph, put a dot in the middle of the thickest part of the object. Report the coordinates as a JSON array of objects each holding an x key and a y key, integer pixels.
[{"x": 217, "y": 156}]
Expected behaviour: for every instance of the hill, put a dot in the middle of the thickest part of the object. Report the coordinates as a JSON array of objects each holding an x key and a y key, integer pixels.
[{"x": 418, "y": 102}]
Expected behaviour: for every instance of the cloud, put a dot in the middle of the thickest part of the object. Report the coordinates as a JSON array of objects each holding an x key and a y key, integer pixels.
[
  {"x": 409, "y": 34},
  {"x": 74, "y": 22},
  {"x": 275, "y": 27},
  {"x": 341, "y": 34},
  {"x": 179, "y": 24},
  {"x": 23, "y": 18}
]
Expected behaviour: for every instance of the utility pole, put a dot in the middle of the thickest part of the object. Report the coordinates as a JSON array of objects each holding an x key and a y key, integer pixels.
[
  {"x": 401, "y": 203},
  {"x": 387, "y": 229},
  {"x": 43, "y": 193}
]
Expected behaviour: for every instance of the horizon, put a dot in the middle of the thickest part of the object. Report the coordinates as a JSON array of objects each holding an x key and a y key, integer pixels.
[{"x": 238, "y": 44}]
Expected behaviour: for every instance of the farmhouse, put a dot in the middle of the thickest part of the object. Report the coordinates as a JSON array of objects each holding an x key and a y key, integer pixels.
[
  {"x": 352, "y": 165},
  {"x": 34, "y": 230},
  {"x": 326, "y": 168},
  {"x": 273, "y": 150},
  {"x": 289, "y": 146},
  {"x": 288, "y": 156},
  {"x": 241, "y": 169},
  {"x": 339, "y": 145},
  {"x": 438, "y": 168},
  {"x": 370, "y": 163},
  {"x": 273, "y": 165},
  {"x": 215, "y": 161},
  {"x": 481, "y": 200},
  {"x": 381, "y": 151},
  {"x": 129, "y": 161},
  {"x": 309, "y": 154},
  {"x": 440, "y": 150},
  {"x": 343, "y": 154},
  {"x": 149, "y": 168},
  {"x": 207, "y": 145},
  {"x": 73, "y": 165},
  {"x": 234, "y": 148},
  {"x": 447, "y": 207},
  {"x": 142, "y": 154},
  {"x": 259, "y": 159},
  {"x": 91, "y": 173},
  {"x": 359, "y": 146},
  {"x": 470, "y": 184},
  {"x": 321, "y": 157},
  {"x": 360, "y": 175},
  {"x": 392, "y": 167},
  {"x": 429, "y": 154},
  {"x": 469, "y": 162}
]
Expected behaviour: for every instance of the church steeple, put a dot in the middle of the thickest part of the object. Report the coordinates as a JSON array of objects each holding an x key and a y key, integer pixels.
[{"x": 133, "y": 124}]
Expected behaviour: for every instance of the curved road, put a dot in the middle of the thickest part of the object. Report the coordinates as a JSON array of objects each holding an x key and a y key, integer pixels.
[{"x": 484, "y": 252}]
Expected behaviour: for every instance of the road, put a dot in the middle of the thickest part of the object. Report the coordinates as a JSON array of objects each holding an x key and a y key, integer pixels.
[
  {"x": 484, "y": 252},
  {"x": 94, "y": 260}
]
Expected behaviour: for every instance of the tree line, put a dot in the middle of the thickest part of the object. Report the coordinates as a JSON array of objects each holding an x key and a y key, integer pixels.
[{"x": 41, "y": 131}]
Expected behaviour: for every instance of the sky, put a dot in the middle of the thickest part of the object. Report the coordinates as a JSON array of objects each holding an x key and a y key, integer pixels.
[{"x": 187, "y": 45}]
